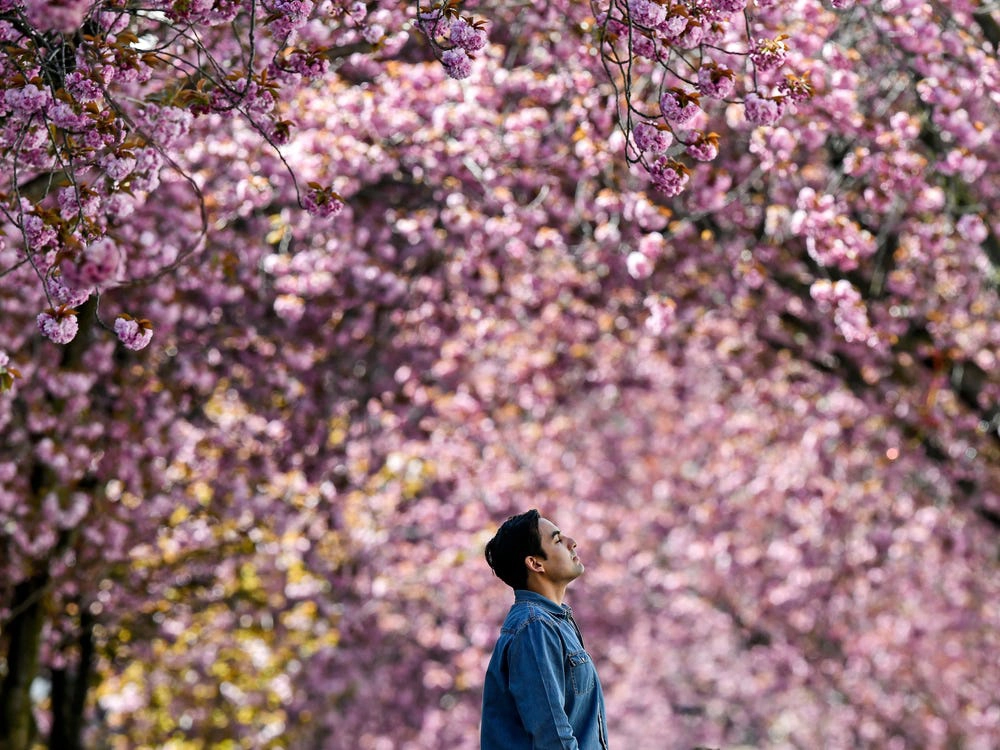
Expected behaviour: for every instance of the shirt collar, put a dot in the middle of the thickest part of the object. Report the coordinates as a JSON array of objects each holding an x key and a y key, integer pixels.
[{"x": 559, "y": 610}]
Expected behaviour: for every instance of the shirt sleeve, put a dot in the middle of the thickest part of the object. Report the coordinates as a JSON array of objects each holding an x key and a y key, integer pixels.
[{"x": 538, "y": 686}]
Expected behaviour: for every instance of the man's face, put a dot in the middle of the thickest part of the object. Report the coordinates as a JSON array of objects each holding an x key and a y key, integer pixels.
[{"x": 562, "y": 562}]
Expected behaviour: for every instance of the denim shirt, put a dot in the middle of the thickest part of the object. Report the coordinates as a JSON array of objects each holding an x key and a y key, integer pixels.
[{"x": 541, "y": 690}]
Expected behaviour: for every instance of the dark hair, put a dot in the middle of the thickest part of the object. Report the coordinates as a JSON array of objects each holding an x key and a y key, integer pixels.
[{"x": 516, "y": 539}]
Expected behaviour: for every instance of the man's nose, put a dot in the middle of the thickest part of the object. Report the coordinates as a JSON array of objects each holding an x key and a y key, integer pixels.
[{"x": 572, "y": 543}]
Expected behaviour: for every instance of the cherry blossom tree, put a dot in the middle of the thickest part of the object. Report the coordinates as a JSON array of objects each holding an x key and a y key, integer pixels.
[{"x": 394, "y": 300}]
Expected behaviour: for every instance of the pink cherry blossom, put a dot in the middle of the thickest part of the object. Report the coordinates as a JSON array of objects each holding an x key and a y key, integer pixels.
[
  {"x": 768, "y": 54},
  {"x": 83, "y": 89},
  {"x": 647, "y": 12},
  {"x": 58, "y": 327},
  {"x": 652, "y": 245},
  {"x": 729, "y": 6},
  {"x": 62, "y": 16},
  {"x": 651, "y": 137},
  {"x": 679, "y": 106},
  {"x": 118, "y": 167},
  {"x": 132, "y": 333},
  {"x": 322, "y": 202},
  {"x": 38, "y": 232},
  {"x": 668, "y": 176},
  {"x": 762, "y": 110},
  {"x": 639, "y": 265},
  {"x": 845, "y": 303},
  {"x": 288, "y": 15},
  {"x": 97, "y": 264},
  {"x": 973, "y": 228},
  {"x": 463, "y": 34},
  {"x": 662, "y": 315},
  {"x": 373, "y": 33},
  {"x": 457, "y": 63},
  {"x": 715, "y": 81},
  {"x": 705, "y": 147},
  {"x": 64, "y": 295},
  {"x": 27, "y": 100}
]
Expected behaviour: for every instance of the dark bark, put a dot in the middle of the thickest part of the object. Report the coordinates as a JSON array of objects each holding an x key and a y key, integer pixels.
[
  {"x": 69, "y": 693},
  {"x": 22, "y": 638},
  {"x": 989, "y": 27}
]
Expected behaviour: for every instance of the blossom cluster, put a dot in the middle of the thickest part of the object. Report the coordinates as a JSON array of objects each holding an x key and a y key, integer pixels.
[
  {"x": 652, "y": 137},
  {"x": 119, "y": 102},
  {"x": 59, "y": 325},
  {"x": 763, "y": 110},
  {"x": 94, "y": 266},
  {"x": 715, "y": 81},
  {"x": 134, "y": 334},
  {"x": 287, "y": 15},
  {"x": 322, "y": 202},
  {"x": 844, "y": 302},
  {"x": 63, "y": 17},
  {"x": 454, "y": 38},
  {"x": 640, "y": 38},
  {"x": 768, "y": 54},
  {"x": 832, "y": 239},
  {"x": 669, "y": 176}
]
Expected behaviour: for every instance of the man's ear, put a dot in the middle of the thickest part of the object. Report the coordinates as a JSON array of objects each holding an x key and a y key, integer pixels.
[{"x": 533, "y": 564}]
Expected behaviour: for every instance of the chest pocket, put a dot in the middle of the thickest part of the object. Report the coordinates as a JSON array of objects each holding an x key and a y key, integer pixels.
[{"x": 581, "y": 672}]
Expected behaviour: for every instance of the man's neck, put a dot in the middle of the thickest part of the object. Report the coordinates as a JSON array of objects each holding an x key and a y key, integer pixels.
[{"x": 554, "y": 591}]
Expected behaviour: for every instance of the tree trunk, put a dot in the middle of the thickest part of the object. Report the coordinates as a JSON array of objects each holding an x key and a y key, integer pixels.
[
  {"x": 69, "y": 693},
  {"x": 23, "y": 636}
]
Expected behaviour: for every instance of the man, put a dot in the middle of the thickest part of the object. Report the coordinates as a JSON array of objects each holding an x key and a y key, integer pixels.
[{"x": 541, "y": 690}]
